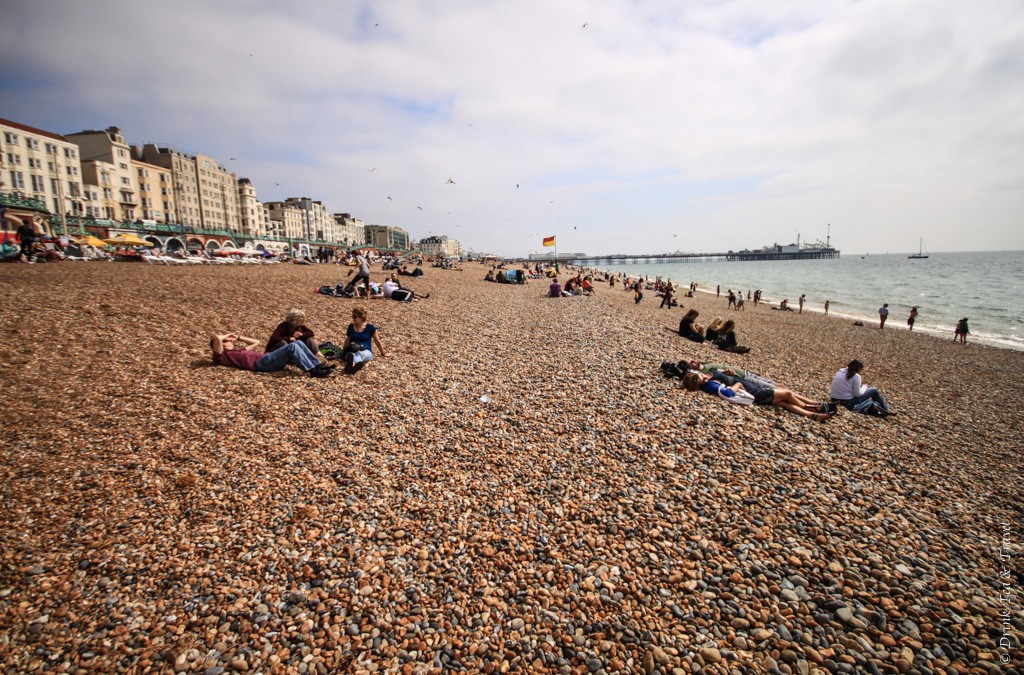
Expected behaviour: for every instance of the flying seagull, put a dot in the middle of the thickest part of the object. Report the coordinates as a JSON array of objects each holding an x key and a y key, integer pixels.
[
  {"x": 420, "y": 208},
  {"x": 371, "y": 170},
  {"x": 449, "y": 182},
  {"x": 517, "y": 186},
  {"x": 233, "y": 158},
  {"x": 390, "y": 199},
  {"x": 584, "y": 26}
]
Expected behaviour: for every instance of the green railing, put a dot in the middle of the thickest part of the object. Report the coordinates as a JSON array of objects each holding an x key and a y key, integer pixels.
[{"x": 8, "y": 199}]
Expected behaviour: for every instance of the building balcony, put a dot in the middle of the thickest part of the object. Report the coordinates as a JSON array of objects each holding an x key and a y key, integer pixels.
[{"x": 18, "y": 200}]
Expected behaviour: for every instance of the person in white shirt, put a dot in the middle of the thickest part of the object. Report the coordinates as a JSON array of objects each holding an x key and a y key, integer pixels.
[
  {"x": 849, "y": 391},
  {"x": 393, "y": 289}
]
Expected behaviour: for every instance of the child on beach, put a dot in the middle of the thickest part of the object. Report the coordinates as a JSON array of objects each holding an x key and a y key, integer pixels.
[
  {"x": 961, "y": 331},
  {"x": 360, "y": 337},
  {"x": 912, "y": 317},
  {"x": 638, "y": 293}
]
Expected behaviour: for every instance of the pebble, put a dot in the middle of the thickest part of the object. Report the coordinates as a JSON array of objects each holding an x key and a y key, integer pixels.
[{"x": 591, "y": 517}]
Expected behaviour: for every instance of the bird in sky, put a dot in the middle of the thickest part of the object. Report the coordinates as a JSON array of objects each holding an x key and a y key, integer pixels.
[
  {"x": 390, "y": 199},
  {"x": 449, "y": 182},
  {"x": 517, "y": 186},
  {"x": 371, "y": 170},
  {"x": 584, "y": 26},
  {"x": 420, "y": 208},
  {"x": 674, "y": 236},
  {"x": 233, "y": 158}
]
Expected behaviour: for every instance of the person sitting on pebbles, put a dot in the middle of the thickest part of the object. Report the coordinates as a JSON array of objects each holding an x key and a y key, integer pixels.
[
  {"x": 763, "y": 394},
  {"x": 688, "y": 328},
  {"x": 292, "y": 329},
  {"x": 850, "y": 392},
  {"x": 237, "y": 351},
  {"x": 727, "y": 339},
  {"x": 360, "y": 337}
]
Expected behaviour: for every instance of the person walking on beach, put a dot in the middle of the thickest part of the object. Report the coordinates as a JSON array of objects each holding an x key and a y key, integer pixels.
[
  {"x": 666, "y": 298},
  {"x": 360, "y": 337},
  {"x": 961, "y": 331},
  {"x": 237, "y": 351},
  {"x": 718, "y": 291},
  {"x": 912, "y": 318},
  {"x": 803, "y": 297},
  {"x": 732, "y": 299},
  {"x": 638, "y": 293},
  {"x": 826, "y": 307},
  {"x": 364, "y": 271},
  {"x": 27, "y": 235},
  {"x": 883, "y": 314}
]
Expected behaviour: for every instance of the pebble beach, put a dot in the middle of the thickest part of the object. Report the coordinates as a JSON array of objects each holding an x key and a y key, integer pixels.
[{"x": 514, "y": 487}]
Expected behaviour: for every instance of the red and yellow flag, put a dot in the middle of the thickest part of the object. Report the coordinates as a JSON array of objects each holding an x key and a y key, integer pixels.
[{"x": 549, "y": 241}]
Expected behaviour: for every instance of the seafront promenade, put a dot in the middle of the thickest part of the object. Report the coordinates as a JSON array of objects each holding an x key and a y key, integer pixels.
[{"x": 514, "y": 487}]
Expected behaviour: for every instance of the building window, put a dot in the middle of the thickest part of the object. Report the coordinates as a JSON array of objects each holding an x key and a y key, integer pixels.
[
  {"x": 10, "y": 139},
  {"x": 17, "y": 180},
  {"x": 38, "y": 184},
  {"x": 13, "y": 158},
  {"x": 69, "y": 153},
  {"x": 34, "y": 163},
  {"x": 51, "y": 149}
]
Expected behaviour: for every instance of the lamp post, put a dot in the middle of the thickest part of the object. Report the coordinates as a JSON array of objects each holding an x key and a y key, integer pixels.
[{"x": 60, "y": 193}]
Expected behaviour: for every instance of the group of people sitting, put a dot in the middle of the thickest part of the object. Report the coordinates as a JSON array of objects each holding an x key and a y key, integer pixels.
[
  {"x": 292, "y": 343},
  {"x": 721, "y": 333},
  {"x": 744, "y": 387},
  {"x": 573, "y": 286},
  {"x": 502, "y": 276},
  {"x": 391, "y": 289}
]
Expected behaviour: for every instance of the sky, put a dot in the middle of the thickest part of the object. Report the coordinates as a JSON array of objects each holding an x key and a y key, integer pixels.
[{"x": 617, "y": 126}]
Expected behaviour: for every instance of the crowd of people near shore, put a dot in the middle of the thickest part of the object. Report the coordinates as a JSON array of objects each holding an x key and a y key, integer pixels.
[{"x": 293, "y": 342}]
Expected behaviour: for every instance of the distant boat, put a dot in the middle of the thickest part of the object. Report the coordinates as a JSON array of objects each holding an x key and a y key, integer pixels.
[{"x": 920, "y": 250}]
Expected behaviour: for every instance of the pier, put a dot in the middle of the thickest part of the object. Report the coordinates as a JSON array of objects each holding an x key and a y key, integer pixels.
[{"x": 762, "y": 255}]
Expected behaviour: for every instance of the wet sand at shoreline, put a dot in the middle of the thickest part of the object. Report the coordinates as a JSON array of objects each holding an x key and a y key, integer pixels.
[{"x": 165, "y": 514}]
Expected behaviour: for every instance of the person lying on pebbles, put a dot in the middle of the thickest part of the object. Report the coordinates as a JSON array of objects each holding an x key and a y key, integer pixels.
[
  {"x": 394, "y": 290},
  {"x": 680, "y": 369},
  {"x": 238, "y": 351},
  {"x": 763, "y": 394}
]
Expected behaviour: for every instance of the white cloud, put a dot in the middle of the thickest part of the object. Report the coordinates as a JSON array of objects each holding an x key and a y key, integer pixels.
[{"x": 733, "y": 122}]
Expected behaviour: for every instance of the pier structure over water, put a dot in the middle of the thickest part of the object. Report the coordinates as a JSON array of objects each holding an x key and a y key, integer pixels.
[{"x": 779, "y": 253}]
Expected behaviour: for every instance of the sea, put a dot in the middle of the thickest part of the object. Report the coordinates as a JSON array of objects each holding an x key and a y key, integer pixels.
[{"x": 985, "y": 287}]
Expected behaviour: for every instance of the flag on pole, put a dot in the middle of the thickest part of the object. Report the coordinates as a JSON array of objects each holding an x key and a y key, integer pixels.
[{"x": 549, "y": 241}]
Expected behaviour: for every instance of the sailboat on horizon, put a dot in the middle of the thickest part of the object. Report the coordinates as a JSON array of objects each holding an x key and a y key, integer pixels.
[{"x": 920, "y": 250}]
